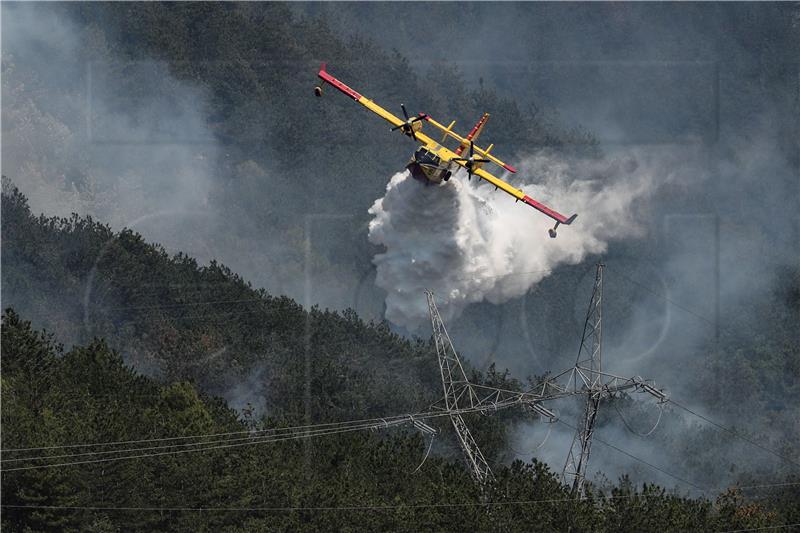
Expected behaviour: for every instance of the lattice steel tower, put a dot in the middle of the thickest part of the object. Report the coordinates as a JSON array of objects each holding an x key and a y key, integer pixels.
[
  {"x": 461, "y": 396},
  {"x": 587, "y": 377},
  {"x": 589, "y": 358},
  {"x": 457, "y": 390}
]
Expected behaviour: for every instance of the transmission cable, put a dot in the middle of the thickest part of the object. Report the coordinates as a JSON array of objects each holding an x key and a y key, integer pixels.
[
  {"x": 302, "y": 433},
  {"x": 660, "y": 412},
  {"x": 734, "y": 433},
  {"x": 620, "y": 450},
  {"x": 427, "y": 453},
  {"x": 762, "y": 528},
  {"x": 205, "y": 435},
  {"x": 307, "y": 434}
]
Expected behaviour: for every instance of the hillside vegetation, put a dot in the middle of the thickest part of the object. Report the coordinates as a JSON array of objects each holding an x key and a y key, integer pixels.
[
  {"x": 196, "y": 330},
  {"x": 350, "y": 482},
  {"x": 111, "y": 336}
]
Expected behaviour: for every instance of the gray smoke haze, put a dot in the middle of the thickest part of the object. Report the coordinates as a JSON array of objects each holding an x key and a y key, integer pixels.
[
  {"x": 127, "y": 142},
  {"x": 76, "y": 140},
  {"x": 698, "y": 116},
  {"x": 249, "y": 395},
  {"x": 716, "y": 83},
  {"x": 660, "y": 320},
  {"x": 471, "y": 243},
  {"x": 87, "y": 131}
]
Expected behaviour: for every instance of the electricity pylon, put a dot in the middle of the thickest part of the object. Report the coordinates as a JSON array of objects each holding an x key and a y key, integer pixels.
[
  {"x": 587, "y": 377},
  {"x": 591, "y": 349},
  {"x": 462, "y": 396},
  {"x": 456, "y": 387}
]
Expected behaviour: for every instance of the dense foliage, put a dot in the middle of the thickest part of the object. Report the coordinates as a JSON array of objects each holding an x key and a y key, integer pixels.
[
  {"x": 161, "y": 345},
  {"x": 351, "y": 482},
  {"x": 176, "y": 320}
]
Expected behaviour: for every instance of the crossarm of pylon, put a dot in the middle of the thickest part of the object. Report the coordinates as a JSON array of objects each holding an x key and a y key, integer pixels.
[
  {"x": 565, "y": 383},
  {"x": 613, "y": 384},
  {"x": 578, "y": 381},
  {"x": 497, "y": 398},
  {"x": 487, "y": 405}
]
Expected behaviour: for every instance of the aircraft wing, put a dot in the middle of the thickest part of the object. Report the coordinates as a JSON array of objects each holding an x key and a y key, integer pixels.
[
  {"x": 443, "y": 152},
  {"x": 390, "y": 117},
  {"x": 521, "y": 196},
  {"x": 361, "y": 99}
]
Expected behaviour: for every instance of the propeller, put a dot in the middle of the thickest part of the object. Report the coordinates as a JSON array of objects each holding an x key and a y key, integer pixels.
[
  {"x": 469, "y": 162},
  {"x": 407, "y": 127}
]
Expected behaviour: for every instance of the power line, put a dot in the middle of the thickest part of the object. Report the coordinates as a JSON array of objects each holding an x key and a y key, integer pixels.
[
  {"x": 266, "y": 299},
  {"x": 208, "y": 435},
  {"x": 510, "y": 274},
  {"x": 299, "y": 508},
  {"x": 310, "y": 431},
  {"x": 277, "y": 432},
  {"x": 762, "y": 528},
  {"x": 628, "y": 454},
  {"x": 301, "y": 432},
  {"x": 375, "y": 507},
  {"x": 787, "y": 484},
  {"x": 330, "y": 508},
  {"x": 184, "y": 304},
  {"x": 638, "y": 434},
  {"x": 665, "y": 298},
  {"x": 264, "y": 438},
  {"x": 735, "y": 433},
  {"x": 620, "y": 450},
  {"x": 333, "y": 431},
  {"x": 251, "y": 442}
]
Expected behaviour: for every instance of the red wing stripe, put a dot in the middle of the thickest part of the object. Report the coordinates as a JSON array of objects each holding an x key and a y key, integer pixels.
[
  {"x": 339, "y": 85},
  {"x": 544, "y": 209}
]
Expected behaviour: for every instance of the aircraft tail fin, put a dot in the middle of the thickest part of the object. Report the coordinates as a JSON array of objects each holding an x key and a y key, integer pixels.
[{"x": 474, "y": 133}]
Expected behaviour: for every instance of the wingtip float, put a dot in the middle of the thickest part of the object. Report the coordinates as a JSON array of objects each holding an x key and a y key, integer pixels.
[{"x": 436, "y": 163}]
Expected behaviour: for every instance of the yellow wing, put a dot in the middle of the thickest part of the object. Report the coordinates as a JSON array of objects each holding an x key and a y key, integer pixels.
[
  {"x": 519, "y": 195},
  {"x": 446, "y": 155},
  {"x": 361, "y": 99}
]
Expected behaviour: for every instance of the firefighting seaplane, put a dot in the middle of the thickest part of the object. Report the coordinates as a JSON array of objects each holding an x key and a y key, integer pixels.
[{"x": 434, "y": 162}]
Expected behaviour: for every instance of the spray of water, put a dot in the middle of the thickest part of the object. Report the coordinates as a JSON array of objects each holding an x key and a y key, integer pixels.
[{"x": 470, "y": 243}]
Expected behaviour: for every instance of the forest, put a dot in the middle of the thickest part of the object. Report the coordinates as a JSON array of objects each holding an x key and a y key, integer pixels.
[
  {"x": 161, "y": 164},
  {"x": 88, "y": 394}
]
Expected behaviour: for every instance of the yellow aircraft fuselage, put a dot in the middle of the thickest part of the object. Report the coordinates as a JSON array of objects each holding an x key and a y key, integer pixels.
[{"x": 427, "y": 165}]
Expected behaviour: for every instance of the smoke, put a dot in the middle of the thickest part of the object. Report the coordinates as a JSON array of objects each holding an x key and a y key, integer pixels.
[
  {"x": 87, "y": 130},
  {"x": 247, "y": 394},
  {"x": 79, "y": 136},
  {"x": 470, "y": 243},
  {"x": 694, "y": 303},
  {"x": 141, "y": 155},
  {"x": 653, "y": 212}
]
